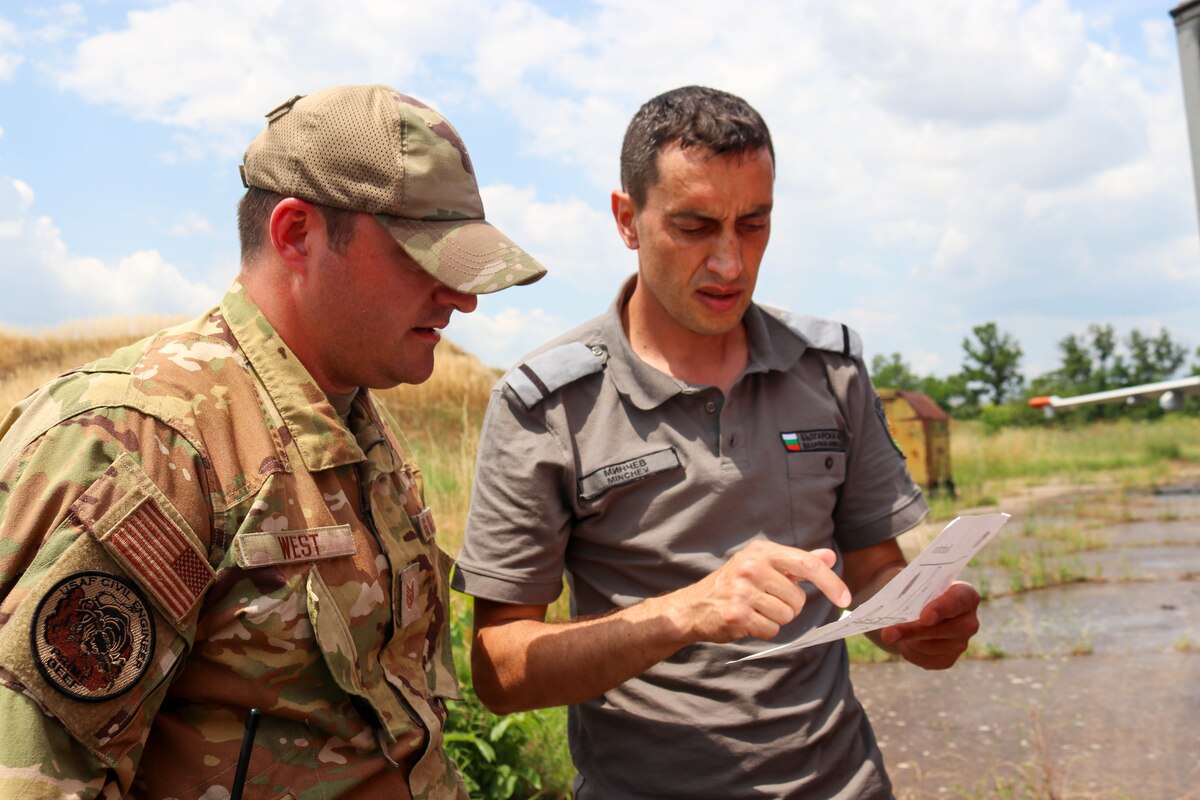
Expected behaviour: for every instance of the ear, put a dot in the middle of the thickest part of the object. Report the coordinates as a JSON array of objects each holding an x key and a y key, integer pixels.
[
  {"x": 624, "y": 213},
  {"x": 293, "y": 227}
]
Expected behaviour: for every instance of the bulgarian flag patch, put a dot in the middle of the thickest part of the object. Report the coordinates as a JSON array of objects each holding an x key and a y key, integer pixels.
[{"x": 829, "y": 440}]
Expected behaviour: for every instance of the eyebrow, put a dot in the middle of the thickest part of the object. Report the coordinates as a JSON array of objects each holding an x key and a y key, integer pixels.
[{"x": 758, "y": 211}]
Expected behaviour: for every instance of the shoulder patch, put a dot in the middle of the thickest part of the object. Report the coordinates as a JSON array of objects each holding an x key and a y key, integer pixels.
[
  {"x": 92, "y": 636},
  {"x": 544, "y": 374},
  {"x": 140, "y": 528},
  {"x": 823, "y": 334}
]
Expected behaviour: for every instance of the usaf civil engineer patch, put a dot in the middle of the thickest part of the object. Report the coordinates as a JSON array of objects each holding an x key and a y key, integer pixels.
[
  {"x": 93, "y": 636},
  {"x": 826, "y": 440}
]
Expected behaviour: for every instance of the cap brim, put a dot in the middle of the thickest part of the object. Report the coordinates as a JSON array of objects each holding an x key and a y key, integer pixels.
[{"x": 469, "y": 255}]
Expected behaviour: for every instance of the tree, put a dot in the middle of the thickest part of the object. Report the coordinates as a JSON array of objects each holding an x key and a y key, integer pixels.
[
  {"x": 892, "y": 372},
  {"x": 993, "y": 362},
  {"x": 1100, "y": 361},
  {"x": 1104, "y": 346},
  {"x": 1153, "y": 359},
  {"x": 1077, "y": 370},
  {"x": 951, "y": 393}
]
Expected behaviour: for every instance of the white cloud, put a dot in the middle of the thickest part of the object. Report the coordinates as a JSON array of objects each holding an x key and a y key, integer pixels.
[
  {"x": 24, "y": 194},
  {"x": 9, "y": 61},
  {"x": 57, "y": 23},
  {"x": 499, "y": 339},
  {"x": 190, "y": 223},
  {"x": 962, "y": 63},
  {"x": 46, "y": 284},
  {"x": 570, "y": 237},
  {"x": 940, "y": 164},
  {"x": 252, "y": 56}
]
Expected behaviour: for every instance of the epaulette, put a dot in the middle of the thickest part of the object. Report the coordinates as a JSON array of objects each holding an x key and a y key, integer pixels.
[
  {"x": 544, "y": 374},
  {"x": 823, "y": 334}
]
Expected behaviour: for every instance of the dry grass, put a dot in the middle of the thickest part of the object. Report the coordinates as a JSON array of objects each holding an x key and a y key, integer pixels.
[{"x": 27, "y": 360}]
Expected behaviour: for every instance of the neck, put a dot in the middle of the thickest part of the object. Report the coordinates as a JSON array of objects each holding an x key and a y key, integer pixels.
[
  {"x": 268, "y": 285},
  {"x": 713, "y": 359}
]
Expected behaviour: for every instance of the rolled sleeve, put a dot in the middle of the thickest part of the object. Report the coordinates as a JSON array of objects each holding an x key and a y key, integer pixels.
[{"x": 519, "y": 522}]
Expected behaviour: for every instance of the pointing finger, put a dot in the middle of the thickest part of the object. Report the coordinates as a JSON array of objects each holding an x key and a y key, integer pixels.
[{"x": 816, "y": 566}]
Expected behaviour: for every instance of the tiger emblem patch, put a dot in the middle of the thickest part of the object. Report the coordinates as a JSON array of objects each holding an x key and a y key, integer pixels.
[{"x": 93, "y": 636}]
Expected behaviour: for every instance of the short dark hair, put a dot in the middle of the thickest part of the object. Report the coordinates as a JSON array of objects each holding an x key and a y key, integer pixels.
[
  {"x": 254, "y": 210},
  {"x": 692, "y": 116}
]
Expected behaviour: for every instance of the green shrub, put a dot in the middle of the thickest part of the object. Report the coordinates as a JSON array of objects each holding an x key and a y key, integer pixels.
[
  {"x": 499, "y": 757},
  {"x": 1018, "y": 414}
]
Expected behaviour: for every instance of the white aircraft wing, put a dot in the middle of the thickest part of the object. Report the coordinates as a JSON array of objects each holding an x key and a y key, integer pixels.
[{"x": 1169, "y": 393}]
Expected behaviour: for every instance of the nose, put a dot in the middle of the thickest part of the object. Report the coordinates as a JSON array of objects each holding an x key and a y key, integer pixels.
[
  {"x": 461, "y": 302},
  {"x": 725, "y": 260}
]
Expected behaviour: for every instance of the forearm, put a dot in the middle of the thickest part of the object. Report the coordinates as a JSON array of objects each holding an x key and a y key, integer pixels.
[
  {"x": 519, "y": 664},
  {"x": 867, "y": 571}
]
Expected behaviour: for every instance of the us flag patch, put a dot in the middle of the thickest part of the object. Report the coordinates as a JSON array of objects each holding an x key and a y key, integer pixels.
[{"x": 154, "y": 549}]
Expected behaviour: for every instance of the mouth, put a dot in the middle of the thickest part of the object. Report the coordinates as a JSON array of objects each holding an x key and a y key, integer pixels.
[
  {"x": 432, "y": 333},
  {"x": 719, "y": 298}
]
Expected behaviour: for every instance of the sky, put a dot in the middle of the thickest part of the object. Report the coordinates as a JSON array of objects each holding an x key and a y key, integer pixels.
[{"x": 940, "y": 164}]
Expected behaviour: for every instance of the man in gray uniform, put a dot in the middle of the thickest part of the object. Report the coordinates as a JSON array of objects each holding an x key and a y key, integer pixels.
[{"x": 710, "y": 474}]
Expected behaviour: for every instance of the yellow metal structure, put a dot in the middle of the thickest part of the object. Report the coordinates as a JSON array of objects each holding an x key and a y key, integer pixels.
[{"x": 921, "y": 430}]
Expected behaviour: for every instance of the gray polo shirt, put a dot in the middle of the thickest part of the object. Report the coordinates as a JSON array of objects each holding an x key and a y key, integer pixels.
[{"x": 635, "y": 483}]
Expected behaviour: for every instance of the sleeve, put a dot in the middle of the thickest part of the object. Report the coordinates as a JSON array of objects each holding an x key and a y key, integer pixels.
[
  {"x": 879, "y": 499},
  {"x": 520, "y": 518},
  {"x": 101, "y": 574},
  {"x": 40, "y": 761}
]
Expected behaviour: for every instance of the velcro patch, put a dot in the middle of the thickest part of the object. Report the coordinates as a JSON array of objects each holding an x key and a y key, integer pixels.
[
  {"x": 887, "y": 425},
  {"x": 423, "y": 520},
  {"x": 267, "y": 548},
  {"x": 92, "y": 636},
  {"x": 830, "y": 440},
  {"x": 600, "y": 481},
  {"x": 157, "y": 552},
  {"x": 410, "y": 580}
]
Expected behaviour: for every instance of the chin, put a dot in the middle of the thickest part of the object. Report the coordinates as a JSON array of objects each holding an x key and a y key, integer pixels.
[{"x": 720, "y": 327}]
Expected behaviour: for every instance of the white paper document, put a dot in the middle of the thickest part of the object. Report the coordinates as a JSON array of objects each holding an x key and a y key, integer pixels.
[{"x": 903, "y": 597}]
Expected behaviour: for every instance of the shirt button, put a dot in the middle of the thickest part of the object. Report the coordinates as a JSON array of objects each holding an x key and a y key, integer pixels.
[
  {"x": 829, "y": 462},
  {"x": 710, "y": 406}
]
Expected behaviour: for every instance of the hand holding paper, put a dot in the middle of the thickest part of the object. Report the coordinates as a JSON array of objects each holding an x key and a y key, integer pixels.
[{"x": 902, "y": 598}]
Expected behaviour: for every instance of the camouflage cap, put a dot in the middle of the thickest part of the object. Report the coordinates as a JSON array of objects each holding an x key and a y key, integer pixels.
[{"x": 372, "y": 149}]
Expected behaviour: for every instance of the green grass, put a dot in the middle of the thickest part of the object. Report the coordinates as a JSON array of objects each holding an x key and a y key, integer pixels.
[{"x": 982, "y": 462}]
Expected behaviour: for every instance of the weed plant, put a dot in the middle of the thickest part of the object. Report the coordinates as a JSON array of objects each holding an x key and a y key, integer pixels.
[{"x": 518, "y": 755}]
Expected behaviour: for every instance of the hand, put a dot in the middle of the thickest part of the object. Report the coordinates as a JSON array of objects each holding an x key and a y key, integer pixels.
[
  {"x": 754, "y": 593},
  {"x": 940, "y": 636}
]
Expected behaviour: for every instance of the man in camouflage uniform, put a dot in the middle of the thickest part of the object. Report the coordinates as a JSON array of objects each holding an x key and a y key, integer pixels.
[{"x": 219, "y": 518}]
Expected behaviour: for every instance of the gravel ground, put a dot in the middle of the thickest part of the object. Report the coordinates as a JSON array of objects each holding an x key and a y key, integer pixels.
[{"x": 1097, "y": 695}]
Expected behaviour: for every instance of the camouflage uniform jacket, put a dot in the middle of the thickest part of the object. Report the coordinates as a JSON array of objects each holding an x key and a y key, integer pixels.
[{"x": 189, "y": 530}]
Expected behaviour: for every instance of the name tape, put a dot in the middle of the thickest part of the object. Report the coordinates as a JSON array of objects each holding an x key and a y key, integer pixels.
[
  {"x": 597, "y": 483},
  {"x": 267, "y": 548}
]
